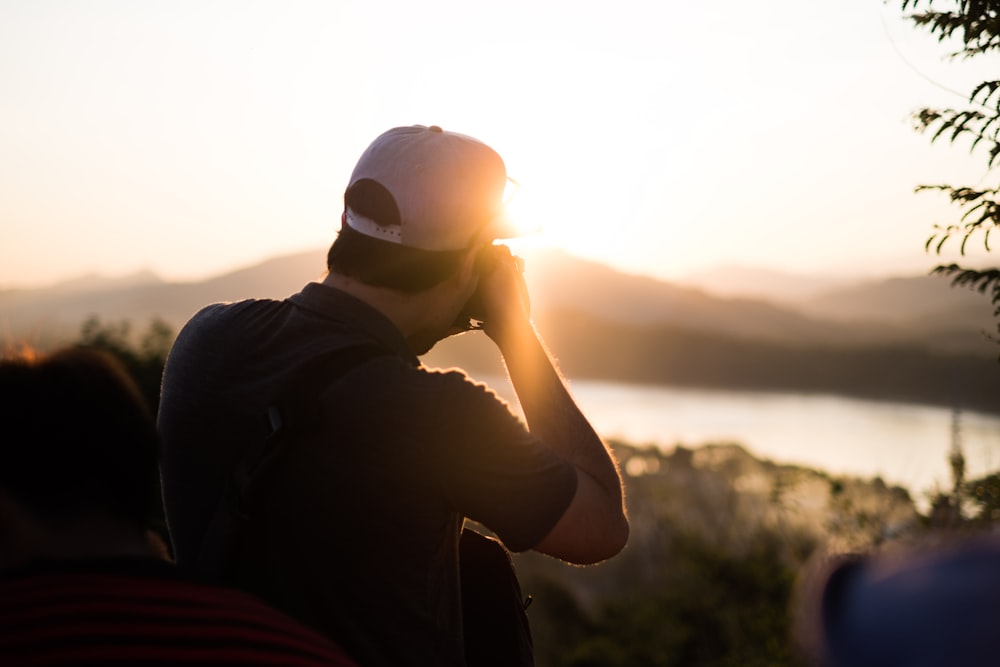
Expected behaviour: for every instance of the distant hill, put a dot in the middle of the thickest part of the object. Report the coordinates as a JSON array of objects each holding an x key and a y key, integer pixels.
[
  {"x": 41, "y": 315},
  {"x": 746, "y": 282},
  {"x": 904, "y": 339},
  {"x": 902, "y": 300},
  {"x": 918, "y": 310},
  {"x": 922, "y": 309},
  {"x": 561, "y": 282}
]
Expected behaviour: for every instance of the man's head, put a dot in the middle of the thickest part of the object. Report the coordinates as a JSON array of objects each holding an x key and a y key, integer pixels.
[
  {"x": 419, "y": 199},
  {"x": 78, "y": 443}
]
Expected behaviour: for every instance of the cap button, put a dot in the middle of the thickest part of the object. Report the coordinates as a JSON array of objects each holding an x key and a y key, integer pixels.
[{"x": 434, "y": 128}]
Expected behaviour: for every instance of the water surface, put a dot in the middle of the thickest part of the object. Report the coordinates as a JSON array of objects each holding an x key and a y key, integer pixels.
[{"x": 903, "y": 443}]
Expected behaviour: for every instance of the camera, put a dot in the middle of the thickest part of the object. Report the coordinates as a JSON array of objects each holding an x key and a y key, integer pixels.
[{"x": 473, "y": 313}]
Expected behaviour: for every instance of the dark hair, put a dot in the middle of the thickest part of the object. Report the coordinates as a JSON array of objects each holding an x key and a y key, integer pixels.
[
  {"x": 77, "y": 437},
  {"x": 382, "y": 263}
]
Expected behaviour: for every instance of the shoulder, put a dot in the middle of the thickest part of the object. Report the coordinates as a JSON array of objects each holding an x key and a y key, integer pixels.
[
  {"x": 457, "y": 383},
  {"x": 213, "y": 321},
  {"x": 220, "y": 328},
  {"x": 454, "y": 392},
  {"x": 439, "y": 408},
  {"x": 224, "y": 314},
  {"x": 407, "y": 375}
]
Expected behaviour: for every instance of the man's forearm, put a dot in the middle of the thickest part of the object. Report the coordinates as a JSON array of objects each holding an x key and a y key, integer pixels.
[{"x": 550, "y": 410}]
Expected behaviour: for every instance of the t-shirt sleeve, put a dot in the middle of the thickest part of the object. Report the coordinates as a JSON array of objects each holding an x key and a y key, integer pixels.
[{"x": 493, "y": 470}]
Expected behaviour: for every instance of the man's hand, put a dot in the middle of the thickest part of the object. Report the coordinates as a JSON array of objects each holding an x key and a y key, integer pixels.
[{"x": 502, "y": 291}]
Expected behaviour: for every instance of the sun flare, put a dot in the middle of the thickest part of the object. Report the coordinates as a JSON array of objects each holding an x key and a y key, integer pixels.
[{"x": 546, "y": 217}]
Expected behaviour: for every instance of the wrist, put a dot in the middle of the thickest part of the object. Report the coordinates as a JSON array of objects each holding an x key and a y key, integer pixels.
[{"x": 509, "y": 335}]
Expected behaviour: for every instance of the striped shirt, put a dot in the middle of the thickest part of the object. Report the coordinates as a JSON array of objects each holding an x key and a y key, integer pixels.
[{"x": 139, "y": 611}]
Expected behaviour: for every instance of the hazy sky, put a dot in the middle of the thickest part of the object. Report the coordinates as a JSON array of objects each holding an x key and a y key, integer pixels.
[{"x": 660, "y": 137}]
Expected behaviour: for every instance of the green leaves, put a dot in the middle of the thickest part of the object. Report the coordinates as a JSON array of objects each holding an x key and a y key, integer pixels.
[
  {"x": 981, "y": 213},
  {"x": 971, "y": 123},
  {"x": 979, "y": 280},
  {"x": 976, "y": 24},
  {"x": 986, "y": 89},
  {"x": 982, "y": 280}
]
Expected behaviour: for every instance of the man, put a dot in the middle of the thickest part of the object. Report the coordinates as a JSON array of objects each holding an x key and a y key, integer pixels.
[
  {"x": 360, "y": 531},
  {"x": 79, "y": 581}
]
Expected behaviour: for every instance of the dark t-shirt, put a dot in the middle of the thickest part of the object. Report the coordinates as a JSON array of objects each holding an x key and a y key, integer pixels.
[
  {"x": 138, "y": 611},
  {"x": 360, "y": 534}
]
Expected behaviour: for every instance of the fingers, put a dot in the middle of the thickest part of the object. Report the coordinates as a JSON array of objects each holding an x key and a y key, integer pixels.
[{"x": 492, "y": 257}]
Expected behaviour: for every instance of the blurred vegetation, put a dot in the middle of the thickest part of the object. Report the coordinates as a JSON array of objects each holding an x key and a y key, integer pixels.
[
  {"x": 721, "y": 546},
  {"x": 710, "y": 575},
  {"x": 720, "y": 539},
  {"x": 975, "y": 26},
  {"x": 144, "y": 355},
  {"x": 709, "y": 607}
]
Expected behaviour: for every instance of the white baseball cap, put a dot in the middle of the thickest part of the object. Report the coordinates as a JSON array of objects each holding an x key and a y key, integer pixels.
[{"x": 447, "y": 187}]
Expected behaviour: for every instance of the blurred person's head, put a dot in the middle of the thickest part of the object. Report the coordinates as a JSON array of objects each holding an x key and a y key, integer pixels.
[
  {"x": 78, "y": 458},
  {"x": 933, "y": 605}
]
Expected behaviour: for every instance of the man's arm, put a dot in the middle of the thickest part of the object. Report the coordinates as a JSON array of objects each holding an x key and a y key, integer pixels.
[{"x": 594, "y": 526}]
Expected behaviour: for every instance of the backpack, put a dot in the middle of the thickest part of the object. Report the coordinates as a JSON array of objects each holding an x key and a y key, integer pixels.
[{"x": 495, "y": 623}]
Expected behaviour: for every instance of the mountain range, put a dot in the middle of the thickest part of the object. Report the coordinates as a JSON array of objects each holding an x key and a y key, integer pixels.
[{"x": 909, "y": 338}]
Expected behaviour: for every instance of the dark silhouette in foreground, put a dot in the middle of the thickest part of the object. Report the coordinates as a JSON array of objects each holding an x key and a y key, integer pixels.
[
  {"x": 934, "y": 606},
  {"x": 82, "y": 581}
]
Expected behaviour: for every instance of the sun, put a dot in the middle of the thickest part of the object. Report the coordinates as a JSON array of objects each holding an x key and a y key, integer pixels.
[{"x": 552, "y": 217}]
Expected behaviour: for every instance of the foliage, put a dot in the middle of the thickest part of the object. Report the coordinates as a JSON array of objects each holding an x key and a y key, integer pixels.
[
  {"x": 710, "y": 608},
  {"x": 975, "y": 24},
  {"x": 970, "y": 505},
  {"x": 984, "y": 496},
  {"x": 144, "y": 358},
  {"x": 719, "y": 539},
  {"x": 723, "y": 545}
]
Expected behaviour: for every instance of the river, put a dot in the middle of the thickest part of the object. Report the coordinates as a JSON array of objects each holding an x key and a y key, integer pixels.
[{"x": 902, "y": 443}]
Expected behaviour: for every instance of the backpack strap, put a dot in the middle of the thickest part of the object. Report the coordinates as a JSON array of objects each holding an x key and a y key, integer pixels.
[{"x": 296, "y": 405}]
